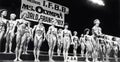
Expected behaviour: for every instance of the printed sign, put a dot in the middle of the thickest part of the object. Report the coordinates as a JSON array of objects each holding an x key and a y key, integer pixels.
[{"x": 45, "y": 10}]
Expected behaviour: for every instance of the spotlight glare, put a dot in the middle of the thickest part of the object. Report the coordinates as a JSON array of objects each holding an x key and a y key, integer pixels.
[{"x": 98, "y": 2}]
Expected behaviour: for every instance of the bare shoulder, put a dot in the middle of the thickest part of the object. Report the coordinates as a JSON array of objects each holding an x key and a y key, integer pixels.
[
  {"x": 17, "y": 20},
  {"x": 35, "y": 26},
  {"x": 5, "y": 20},
  {"x": 69, "y": 31},
  {"x": 50, "y": 26},
  {"x": 55, "y": 28},
  {"x": 93, "y": 27}
]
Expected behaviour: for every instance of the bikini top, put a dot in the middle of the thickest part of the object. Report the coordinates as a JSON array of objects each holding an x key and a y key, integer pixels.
[
  {"x": 39, "y": 29},
  {"x": 66, "y": 33},
  {"x": 75, "y": 38},
  {"x": 53, "y": 30},
  {"x": 96, "y": 30}
]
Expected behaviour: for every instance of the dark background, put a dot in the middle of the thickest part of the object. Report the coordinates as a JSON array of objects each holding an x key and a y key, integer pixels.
[{"x": 81, "y": 15}]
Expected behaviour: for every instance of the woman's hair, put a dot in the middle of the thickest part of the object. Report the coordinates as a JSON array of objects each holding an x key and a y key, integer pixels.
[
  {"x": 1, "y": 10},
  {"x": 13, "y": 14},
  {"x": 59, "y": 30},
  {"x": 86, "y": 30},
  {"x": 23, "y": 13},
  {"x": 75, "y": 32},
  {"x": 96, "y": 21}
]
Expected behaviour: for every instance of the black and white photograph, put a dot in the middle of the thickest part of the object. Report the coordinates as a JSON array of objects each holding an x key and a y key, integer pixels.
[{"x": 59, "y": 30}]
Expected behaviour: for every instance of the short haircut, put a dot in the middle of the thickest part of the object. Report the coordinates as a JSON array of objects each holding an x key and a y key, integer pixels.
[{"x": 13, "y": 14}]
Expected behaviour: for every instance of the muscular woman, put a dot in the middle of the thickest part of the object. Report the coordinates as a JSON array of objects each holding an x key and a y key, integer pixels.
[
  {"x": 75, "y": 42},
  {"x": 28, "y": 38},
  {"x": 67, "y": 37},
  {"x": 10, "y": 32},
  {"x": 88, "y": 43},
  {"x": 22, "y": 25},
  {"x": 102, "y": 44},
  {"x": 60, "y": 41},
  {"x": 38, "y": 39},
  {"x": 82, "y": 44},
  {"x": 96, "y": 33},
  {"x": 52, "y": 38},
  {"x": 3, "y": 21}
]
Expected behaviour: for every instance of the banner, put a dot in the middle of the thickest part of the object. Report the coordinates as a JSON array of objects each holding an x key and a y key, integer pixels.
[{"x": 45, "y": 10}]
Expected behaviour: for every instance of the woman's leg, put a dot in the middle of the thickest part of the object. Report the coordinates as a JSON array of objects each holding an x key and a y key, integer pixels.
[
  {"x": 26, "y": 47},
  {"x": 50, "y": 47},
  {"x": 38, "y": 48},
  {"x": 58, "y": 47},
  {"x": 86, "y": 55},
  {"x": 35, "y": 48},
  {"x": 75, "y": 49},
  {"x": 61, "y": 44},
  {"x": 67, "y": 48},
  {"x": 7, "y": 42},
  {"x": 21, "y": 46},
  {"x": 1, "y": 36},
  {"x": 10, "y": 45},
  {"x": 18, "y": 41},
  {"x": 64, "y": 49},
  {"x": 82, "y": 49}
]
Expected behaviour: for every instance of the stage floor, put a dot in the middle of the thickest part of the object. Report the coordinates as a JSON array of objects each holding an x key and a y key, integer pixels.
[
  {"x": 9, "y": 57},
  {"x": 48, "y": 61}
]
